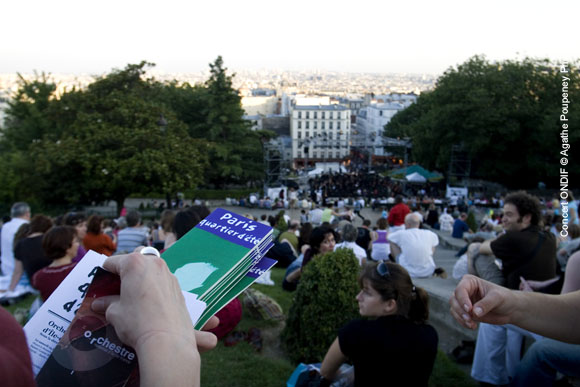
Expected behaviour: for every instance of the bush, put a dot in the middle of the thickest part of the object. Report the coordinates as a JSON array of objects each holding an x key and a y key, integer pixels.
[
  {"x": 281, "y": 225},
  {"x": 471, "y": 222},
  {"x": 324, "y": 302}
]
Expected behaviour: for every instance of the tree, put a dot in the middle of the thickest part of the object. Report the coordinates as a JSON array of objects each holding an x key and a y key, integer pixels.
[
  {"x": 106, "y": 144},
  {"x": 504, "y": 114},
  {"x": 235, "y": 149},
  {"x": 28, "y": 117}
]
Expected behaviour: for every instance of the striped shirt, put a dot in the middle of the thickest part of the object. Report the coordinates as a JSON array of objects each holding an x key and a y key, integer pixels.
[{"x": 129, "y": 238}]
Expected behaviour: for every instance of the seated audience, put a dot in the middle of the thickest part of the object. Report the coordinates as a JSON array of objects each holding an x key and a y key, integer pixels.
[
  {"x": 322, "y": 241},
  {"x": 95, "y": 239},
  {"x": 348, "y": 234},
  {"x": 133, "y": 235},
  {"x": 60, "y": 245},
  {"x": 78, "y": 220},
  {"x": 460, "y": 226},
  {"x": 28, "y": 253},
  {"x": 414, "y": 247},
  {"x": 381, "y": 248},
  {"x": 395, "y": 347}
]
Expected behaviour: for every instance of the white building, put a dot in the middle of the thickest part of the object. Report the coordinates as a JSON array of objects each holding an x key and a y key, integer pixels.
[
  {"x": 370, "y": 124},
  {"x": 319, "y": 133}
]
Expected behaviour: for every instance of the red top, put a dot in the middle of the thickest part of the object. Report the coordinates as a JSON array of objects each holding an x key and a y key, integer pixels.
[
  {"x": 101, "y": 243},
  {"x": 15, "y": 364},
  {"x": 397, "y": 214},
  {"x": 47, "y": 279}
]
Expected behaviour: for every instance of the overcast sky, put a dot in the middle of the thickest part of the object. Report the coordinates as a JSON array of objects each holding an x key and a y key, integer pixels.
[{"x": 412, "y": 36}]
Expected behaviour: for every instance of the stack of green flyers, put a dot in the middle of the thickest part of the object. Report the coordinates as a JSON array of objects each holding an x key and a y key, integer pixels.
[{"x": 219, "y": 258}]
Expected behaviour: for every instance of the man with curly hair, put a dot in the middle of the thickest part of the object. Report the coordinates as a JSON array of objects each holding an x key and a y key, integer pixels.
[{"x": 525, "y": 250}]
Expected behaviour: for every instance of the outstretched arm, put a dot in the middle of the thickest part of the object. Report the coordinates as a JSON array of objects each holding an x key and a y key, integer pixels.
[
  {"x": 476, "y": 300},
  {"x": 332, "y": 361}
]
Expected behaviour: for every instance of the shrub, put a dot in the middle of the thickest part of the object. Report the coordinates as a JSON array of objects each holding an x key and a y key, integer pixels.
[
  {"x": 281, "y": 225},
  {"x": 324, "y": 302},
  {"x": 471, "y": 222}
]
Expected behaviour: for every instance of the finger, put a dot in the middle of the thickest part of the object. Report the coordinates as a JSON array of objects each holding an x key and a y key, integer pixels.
[
  {"x": 113, "y": 264},
  {"x": 464, "y": 290},
  {"x": 211, "y": 323},
  {"x": 463, "y": 319},
  {"x": 205, "y": 341},
  {"x": 101, "y": 304}
]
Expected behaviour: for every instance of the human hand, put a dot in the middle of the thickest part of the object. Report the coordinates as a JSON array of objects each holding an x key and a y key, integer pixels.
[
  {"x": 476, "y": 300},
  {"x": 150, "y": 304},
  {"x": 526, "y": 286}
]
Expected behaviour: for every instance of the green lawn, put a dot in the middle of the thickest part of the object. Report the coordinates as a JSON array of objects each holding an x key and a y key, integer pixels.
[{"x": 241, "y": 365}]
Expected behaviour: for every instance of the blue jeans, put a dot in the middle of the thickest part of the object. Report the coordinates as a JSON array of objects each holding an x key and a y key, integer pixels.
[{"x": 544, "y": 359}]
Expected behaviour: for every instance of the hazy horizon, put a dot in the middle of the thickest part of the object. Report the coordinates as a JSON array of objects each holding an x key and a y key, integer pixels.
[{"x": 413, "y": 37}]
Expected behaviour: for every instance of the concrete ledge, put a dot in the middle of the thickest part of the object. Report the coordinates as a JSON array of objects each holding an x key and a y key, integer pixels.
[{"x": 447, "y": 241}]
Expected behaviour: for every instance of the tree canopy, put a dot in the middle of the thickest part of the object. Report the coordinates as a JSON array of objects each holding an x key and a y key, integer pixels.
[
  {"x": 105, "y": 142},
  {"x": 504, "y": 114}
]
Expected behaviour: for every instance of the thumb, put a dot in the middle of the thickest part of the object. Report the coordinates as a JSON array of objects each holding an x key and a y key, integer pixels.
[
  {"x": 486, "y": 304},
  {"x": 101, "y": 304}
]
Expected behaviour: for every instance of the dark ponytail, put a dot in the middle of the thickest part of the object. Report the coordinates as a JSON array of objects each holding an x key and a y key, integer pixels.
[
  {"x": 419, "y": 310},
  {"x": 412, "y": 302}
]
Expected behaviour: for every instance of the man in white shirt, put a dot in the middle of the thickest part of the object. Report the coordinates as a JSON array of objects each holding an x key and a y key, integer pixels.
[
  {"x": 20, "y": 213},
  {"x": 414, "y": 247}
]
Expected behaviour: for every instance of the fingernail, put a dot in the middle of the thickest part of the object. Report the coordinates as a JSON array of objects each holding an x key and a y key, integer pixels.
[
  {"x": 98, "y": 305},
  {"x": 478, "y": 311},
  {"x": 466, "y": 307},
  {"x": 465, "y": 317}
]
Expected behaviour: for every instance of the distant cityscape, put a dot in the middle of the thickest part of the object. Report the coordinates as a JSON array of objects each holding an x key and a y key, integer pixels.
[{"x": 272, "y": 100}]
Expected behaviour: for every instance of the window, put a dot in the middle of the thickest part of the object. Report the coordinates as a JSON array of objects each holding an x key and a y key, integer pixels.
[
  {"x": 299, "y": 124},
  {"x": 380, "y": 112},
  {"x": 299, "y": 115},
  {"x": 338, "y": 115},
  {"x": 322, "y": 115},
  {"x": 307, "y": 115},
  {"x": 299, "y": 154},
  {"x": 330, "y": 135},
  {"x": 307, "y": 126},
  {"x": 338, "y": 125},
  {"x": 299, "y": 134},
  {"x": 330, "y": 115},
  {"x": 307, "y": 134},
  {"x": 315, "y": 154},
  {"x": 330, "y": 125},
  {"x": 315, "y": 115},
  {"x": 322, "y": 124},
  {"x": 315, "y": 123}
]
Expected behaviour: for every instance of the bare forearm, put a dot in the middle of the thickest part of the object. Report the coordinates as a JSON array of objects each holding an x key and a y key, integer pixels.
[
  {"x": 548, "y": 315},
  {"x": 169, "y": 361},
  {"x": 16, "y": 274}
]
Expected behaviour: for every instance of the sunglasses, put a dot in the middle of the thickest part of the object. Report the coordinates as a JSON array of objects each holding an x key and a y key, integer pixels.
[{"x": 383, "y": 269}]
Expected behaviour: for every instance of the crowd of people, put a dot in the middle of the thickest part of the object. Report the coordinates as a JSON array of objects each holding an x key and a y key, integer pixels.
[{"x": 522, "y": 281}]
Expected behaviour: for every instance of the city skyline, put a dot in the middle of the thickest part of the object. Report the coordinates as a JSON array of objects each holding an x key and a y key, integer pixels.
[{"x": 415, "y": 37}]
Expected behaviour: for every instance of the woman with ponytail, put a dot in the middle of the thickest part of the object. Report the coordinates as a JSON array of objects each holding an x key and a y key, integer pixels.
[{"x": 396, "y": 347}]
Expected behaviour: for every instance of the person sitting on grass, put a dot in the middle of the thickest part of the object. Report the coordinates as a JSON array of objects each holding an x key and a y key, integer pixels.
[
  {"x": 397, "y": 347},
  {"x": 60, "y": 244},
  {"x": 322, "y": 241}
]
